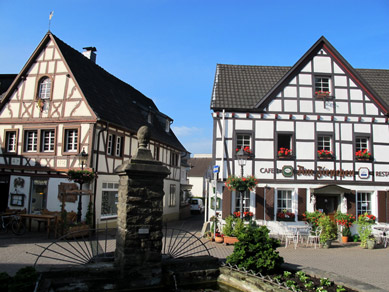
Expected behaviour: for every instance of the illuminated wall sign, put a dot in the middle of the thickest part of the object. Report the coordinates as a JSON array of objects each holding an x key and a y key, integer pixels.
[
  {"x": 363, "y": 173},
  {"x": 287, "y": 171}
]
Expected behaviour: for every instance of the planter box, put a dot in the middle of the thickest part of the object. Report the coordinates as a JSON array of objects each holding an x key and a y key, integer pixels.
[
  {"x": 230, "y": 240},
  {"x": 286, "y": 219}
]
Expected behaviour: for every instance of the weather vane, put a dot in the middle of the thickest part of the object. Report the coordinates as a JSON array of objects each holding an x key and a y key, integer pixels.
[{"x": 50, "y": 17}]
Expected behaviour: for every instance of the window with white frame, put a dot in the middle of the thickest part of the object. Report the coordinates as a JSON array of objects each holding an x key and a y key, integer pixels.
[
  {"x": 110, "y": 141},
  {"x": 118, "y": 149},
  {"x": 71, "y": 140},
  {"x": 322, "y": 85},
  {"x": 48, "y": 140},
  {"x": 243, "y": 140},
  {"x": 245, "y": 200},
  {"x": 11, "y": 141},
  {"x": 44, "y": 88},
  {"x": 284, "y": 201},
  {"x": 109, "y": 199},
  {"x": 361, "y": 144},
  {"x": 324, "y": 143},
  {"x": 172, "y": 196},
  {"x": 363, "y": 203},
  {"x": 31, "y": 141}
]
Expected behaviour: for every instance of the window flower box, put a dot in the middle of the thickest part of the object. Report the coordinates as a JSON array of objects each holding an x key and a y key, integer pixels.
[
  {"x": 247, "y": 151},
  {"x": 285, "y": 216},
  {"x": 325, "y": 155},
  {"x": 284, "y": 153},
  {"x": 322, "y": 94},
  {"x": 364, "y": 155}
]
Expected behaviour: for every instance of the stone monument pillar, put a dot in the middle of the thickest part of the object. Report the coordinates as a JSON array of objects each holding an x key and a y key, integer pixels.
[{"x": 140, "y": 207}]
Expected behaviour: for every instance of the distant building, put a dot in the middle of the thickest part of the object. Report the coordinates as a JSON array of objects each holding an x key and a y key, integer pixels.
[
  {"x": 321, "y": 105},
  {"x": 199, "y": 176},
  {"x": 61, "y": 103}
]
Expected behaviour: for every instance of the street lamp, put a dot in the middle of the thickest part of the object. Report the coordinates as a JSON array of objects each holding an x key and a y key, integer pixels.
[
  {"x": 242, "y": 157},
  {"x": 82, "y": 157}
]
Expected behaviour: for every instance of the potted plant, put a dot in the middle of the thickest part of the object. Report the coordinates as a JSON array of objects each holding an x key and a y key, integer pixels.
[
  {"x": 241, "y": 184},
  {"x": 313, "y": 218},
  {"x": 215, "y": 223},
  {"x": 219, "y": 237},
  {"x": 365, "y": 222},
  {"x": 325, "y": 154},
  {"x": 234, "y": 225},
  {"x": 329, "y": 231},
  {"x": 364, "y": 155},
  {"x": 285, "y": 215},
  {"x": 345, "y": 221},
  {"x": 284, "y": 153}
]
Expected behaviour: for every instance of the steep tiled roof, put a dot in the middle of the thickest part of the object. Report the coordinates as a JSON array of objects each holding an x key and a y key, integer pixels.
[
  {"x": 199, "y": 166},
  {"x": 241, "y": 87},
  {"x": 378, "y": 81},
  {"x": 5, "y": 82},
  {"x": 113, "y": 100}
]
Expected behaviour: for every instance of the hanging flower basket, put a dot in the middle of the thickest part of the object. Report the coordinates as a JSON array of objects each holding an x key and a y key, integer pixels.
[
  {"x": 241, "y": 184},
  {"x": 81, "y": 176}
]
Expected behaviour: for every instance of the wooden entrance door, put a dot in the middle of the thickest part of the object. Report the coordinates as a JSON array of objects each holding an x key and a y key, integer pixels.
[{"x": 328, "y": 205}]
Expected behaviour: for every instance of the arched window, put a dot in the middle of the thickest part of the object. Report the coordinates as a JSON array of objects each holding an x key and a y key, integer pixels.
[{"x": 45, "y": 88}]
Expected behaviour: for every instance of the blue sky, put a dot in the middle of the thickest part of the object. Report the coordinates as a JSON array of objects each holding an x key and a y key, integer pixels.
[{"x": 168, "y": 49}]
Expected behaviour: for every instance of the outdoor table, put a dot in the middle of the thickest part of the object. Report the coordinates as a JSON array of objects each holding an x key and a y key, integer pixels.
[
  {"x": 48, "y": 218},
  {"x": 299, "y": 230}
]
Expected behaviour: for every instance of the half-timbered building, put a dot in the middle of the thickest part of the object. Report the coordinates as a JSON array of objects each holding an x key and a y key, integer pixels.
[
  {"x": 318, "y": 132},
  {"x": 61, "y": 103}
]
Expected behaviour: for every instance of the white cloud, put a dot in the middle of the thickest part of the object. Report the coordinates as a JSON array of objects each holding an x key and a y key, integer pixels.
[{"x": 184, "y": 131}]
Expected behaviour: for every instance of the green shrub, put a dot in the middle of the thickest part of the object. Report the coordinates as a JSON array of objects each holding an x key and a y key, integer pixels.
[
  {"x": 24, "y": 280},
  {"x": 4, "y": 281},
  {"x": 256, "y": 251}
]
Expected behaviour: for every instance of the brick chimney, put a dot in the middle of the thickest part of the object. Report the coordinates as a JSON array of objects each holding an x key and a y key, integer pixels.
[{"x": 90, "y": 53}]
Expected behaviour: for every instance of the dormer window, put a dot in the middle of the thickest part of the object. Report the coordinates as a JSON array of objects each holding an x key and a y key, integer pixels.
[
  {"x": 167, "y": 126},
  {"x": 149, "y": 118},
  {"x": 44, "y": 88}
]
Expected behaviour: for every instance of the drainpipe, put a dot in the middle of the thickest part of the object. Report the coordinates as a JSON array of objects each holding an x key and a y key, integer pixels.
[{"x": 96, "y": 171}]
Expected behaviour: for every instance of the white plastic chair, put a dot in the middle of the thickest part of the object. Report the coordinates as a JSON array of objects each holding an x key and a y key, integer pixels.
[
  {"x": 314, "y": 238},
  {"x": 290, "y": 236}
]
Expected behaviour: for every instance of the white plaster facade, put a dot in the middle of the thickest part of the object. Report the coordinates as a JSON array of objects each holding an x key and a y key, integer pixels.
[{"x": 291, "y": 108}]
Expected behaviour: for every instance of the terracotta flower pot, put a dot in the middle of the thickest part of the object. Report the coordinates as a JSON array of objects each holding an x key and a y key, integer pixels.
[
  {"x": 344, "y": 239},
  {"x": 219, "y": 239}
]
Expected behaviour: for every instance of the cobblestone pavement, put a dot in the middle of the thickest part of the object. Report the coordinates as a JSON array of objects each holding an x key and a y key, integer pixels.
[{"x": 365, "y": 270}]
